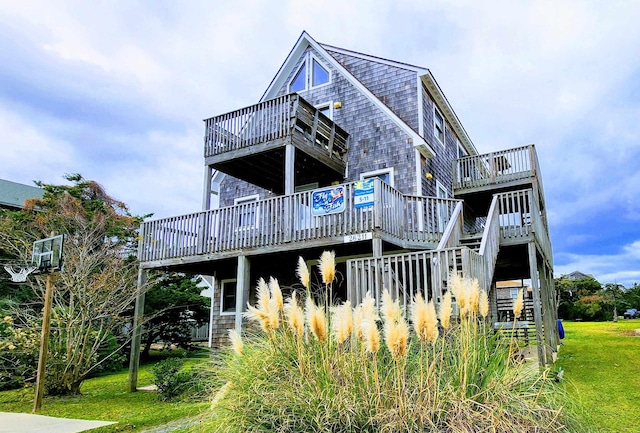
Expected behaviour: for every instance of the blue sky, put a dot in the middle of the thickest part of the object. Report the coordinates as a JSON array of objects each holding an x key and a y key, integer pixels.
[{"x": 117, "y": 91}]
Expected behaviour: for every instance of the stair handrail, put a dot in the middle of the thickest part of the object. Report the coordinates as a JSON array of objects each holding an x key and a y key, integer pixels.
[
  {"x": 453, "y": 231},
  {"x": 490, "y": 243}
]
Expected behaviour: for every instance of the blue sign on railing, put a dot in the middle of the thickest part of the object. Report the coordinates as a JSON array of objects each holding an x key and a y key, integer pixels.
[
  {"x": 326, "y": 201},
  {"x": 363, "y": 193}
]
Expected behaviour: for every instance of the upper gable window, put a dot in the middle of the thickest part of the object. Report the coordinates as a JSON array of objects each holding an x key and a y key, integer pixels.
[
  {"x": 320, "y": 74},
  {"x": 438, "y": 124},
  {"x": 299, "y": 82},
  {"x": 311, "y": 74}
]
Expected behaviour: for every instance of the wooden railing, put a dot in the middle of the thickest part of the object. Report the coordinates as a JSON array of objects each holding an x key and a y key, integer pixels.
[
  {"x": 283, "y": 118},
  {"x": 404, "y": 275},
  {"x": 453, "y": 231},
  {"x": 511, "y": 215},
  {"x": 496, "y": 168},
  {"x": 490, "y": 243},
  {"x": 278, "y": 221}
]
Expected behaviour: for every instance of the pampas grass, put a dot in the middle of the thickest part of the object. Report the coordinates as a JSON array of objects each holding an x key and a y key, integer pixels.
[{"x": 297, "y": 379}]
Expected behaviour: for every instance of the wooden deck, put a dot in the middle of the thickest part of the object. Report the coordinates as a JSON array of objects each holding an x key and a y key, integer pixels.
[
  {"x": 286, "y": 222},
  {"x": 250, "y": 143},
  {"x": 494, "y": 172}
]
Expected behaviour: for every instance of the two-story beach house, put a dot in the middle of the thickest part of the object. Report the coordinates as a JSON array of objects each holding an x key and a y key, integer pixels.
[{"x": 363, "y": 156}]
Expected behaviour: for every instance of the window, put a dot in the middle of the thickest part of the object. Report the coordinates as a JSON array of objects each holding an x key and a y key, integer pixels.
[
  {"x": 228, "y": 297},
  {"x": 386, "y": 175},
  {"x": 438, "y": 124},
  {"x": 326, "y": 109},
  {"x": 311, "y": 74},
  {"x": 247, "y": 215},
  {"x": 320, "y": 75},
  {"x": 513, "y": 293},
  {"x": 461, "y": 150},
  {"x": 299, "y": 82},
  {"x": 443, "y": 208}
]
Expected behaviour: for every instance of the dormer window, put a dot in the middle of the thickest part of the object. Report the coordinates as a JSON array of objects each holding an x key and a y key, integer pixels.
[{"x": 311, "y": 74}]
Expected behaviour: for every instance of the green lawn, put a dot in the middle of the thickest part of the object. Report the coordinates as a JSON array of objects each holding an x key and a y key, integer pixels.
[
  {"x": 106, "y": 398},
  {"x": 602, "y": 369},
  {"x": 601, "y": 362}
]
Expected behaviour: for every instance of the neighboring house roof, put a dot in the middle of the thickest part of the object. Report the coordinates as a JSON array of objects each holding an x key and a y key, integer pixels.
[
  {"x": 305, "y": 40},
  {"x": 577, "y": 275},
  {"x": 13, "y": 195}
]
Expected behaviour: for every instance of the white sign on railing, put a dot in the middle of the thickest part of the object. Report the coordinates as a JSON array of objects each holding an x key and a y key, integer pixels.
[
  {"x": 363, "y": 193},
  {"x": 327, "y": 201}
]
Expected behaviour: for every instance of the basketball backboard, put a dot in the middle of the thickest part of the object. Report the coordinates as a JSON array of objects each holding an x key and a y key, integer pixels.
[{"x": 47, "y": 254}]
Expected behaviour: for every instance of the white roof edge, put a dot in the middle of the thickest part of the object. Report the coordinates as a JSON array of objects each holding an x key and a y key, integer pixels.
[
  {"x": 432, "y": 85},
  {"x": 304, "y": 40}
]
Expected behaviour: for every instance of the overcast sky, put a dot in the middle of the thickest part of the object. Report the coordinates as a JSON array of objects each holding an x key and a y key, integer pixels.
[{"x": 117, "y": 91}]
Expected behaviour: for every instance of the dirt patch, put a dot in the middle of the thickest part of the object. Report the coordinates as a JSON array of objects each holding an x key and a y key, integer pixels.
[{"x": 632, "y": 333}]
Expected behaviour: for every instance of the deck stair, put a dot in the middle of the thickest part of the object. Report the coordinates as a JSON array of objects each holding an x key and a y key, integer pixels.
[{"x": 472, "y": 242}]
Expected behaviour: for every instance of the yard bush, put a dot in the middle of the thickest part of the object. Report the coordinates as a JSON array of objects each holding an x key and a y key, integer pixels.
[
  {"x": 347, "y": 370},
  {"x": 169, "y": 377},
  {"x": 18, "y": 354}
]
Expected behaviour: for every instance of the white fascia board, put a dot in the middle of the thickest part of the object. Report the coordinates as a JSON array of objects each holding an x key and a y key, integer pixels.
[
  {"x": 301, "y": 45},
  {"x": 286, "y": 67},
  {"x": 441, "y": 100}
]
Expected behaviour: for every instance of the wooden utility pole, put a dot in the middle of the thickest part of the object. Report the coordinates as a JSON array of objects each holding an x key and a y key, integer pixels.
[{"x": 44, "y": 342}]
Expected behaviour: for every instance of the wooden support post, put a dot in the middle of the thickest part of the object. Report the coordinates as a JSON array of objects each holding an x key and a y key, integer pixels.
[
  {"x": 214, "y": 287},
  {"x": 550, "y": 326},
  {"x": 537, "y": 310},
  {"x": 242, "y": 288},
  {"x": 289, "y": 169},
  {"x": 376, "y": 245},
  {"x": 377, "y": 203},
  {"x": 208, "y": 178},
  {"x": 44, "y": 342},
  {"x": 138, "y": 315}
]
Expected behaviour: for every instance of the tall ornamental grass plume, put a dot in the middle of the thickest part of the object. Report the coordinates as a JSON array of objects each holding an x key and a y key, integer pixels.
[{"x": 327, "y": 369}]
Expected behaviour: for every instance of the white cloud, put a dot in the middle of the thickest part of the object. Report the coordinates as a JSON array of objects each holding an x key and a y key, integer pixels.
[
  {"x": 621, "y": 267},
  {"x": 561, "y": 75}
]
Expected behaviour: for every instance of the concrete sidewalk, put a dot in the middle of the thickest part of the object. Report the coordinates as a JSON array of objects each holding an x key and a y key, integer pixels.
[{"x": 27, "y": 423}]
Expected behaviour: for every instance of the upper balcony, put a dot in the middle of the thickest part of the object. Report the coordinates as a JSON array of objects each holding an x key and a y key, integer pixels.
[
  {"x": 477, "y": 178},
  {"x": 249, "y": 143}
]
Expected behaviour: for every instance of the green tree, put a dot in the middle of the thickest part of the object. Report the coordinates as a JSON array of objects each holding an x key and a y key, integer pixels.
[
  {"x": 173, "y": 305},
  {"x": 613, "y": 297},
  {"x": 571, "y": 291},
  {"x": 96, "y": 286},
  {"x": 631, "y": 297}
]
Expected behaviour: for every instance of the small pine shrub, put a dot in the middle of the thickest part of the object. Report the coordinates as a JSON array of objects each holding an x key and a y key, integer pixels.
[{"x": 169, "y": 377}]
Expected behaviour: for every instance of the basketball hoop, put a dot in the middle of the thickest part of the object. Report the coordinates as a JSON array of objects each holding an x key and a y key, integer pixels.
[{"x": 19, "y": 274}]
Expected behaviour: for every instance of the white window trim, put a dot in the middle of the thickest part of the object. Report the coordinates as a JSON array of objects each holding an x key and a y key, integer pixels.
[
  {"x": 310, "y": 60},
  {"x": 376, "y": 173},
  {"x": 308, "y": 78},
  {"x": 222, "y": 284},
  {"x": 444, "y": 125},
  {"x": 246, "y": 199},
  {"x": 442, "y": 209},
  {"x": 329, "y": 105},
  {"x": 306, "y": 75},
  {"x": 249, "y": 199}
]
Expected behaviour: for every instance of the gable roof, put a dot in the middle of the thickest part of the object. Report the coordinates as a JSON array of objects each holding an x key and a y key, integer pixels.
[
  {"x": 299, "y": 48},
  {"x": 14, "y": 194},
  {"x": 425, "y": 76}
]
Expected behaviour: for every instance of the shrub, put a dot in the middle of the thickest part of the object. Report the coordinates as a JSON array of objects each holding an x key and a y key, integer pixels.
[
  {"x": 18, "y": 354},
  {"x": 169, "y": 377},
  {"x": 344, "y": 369}
]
